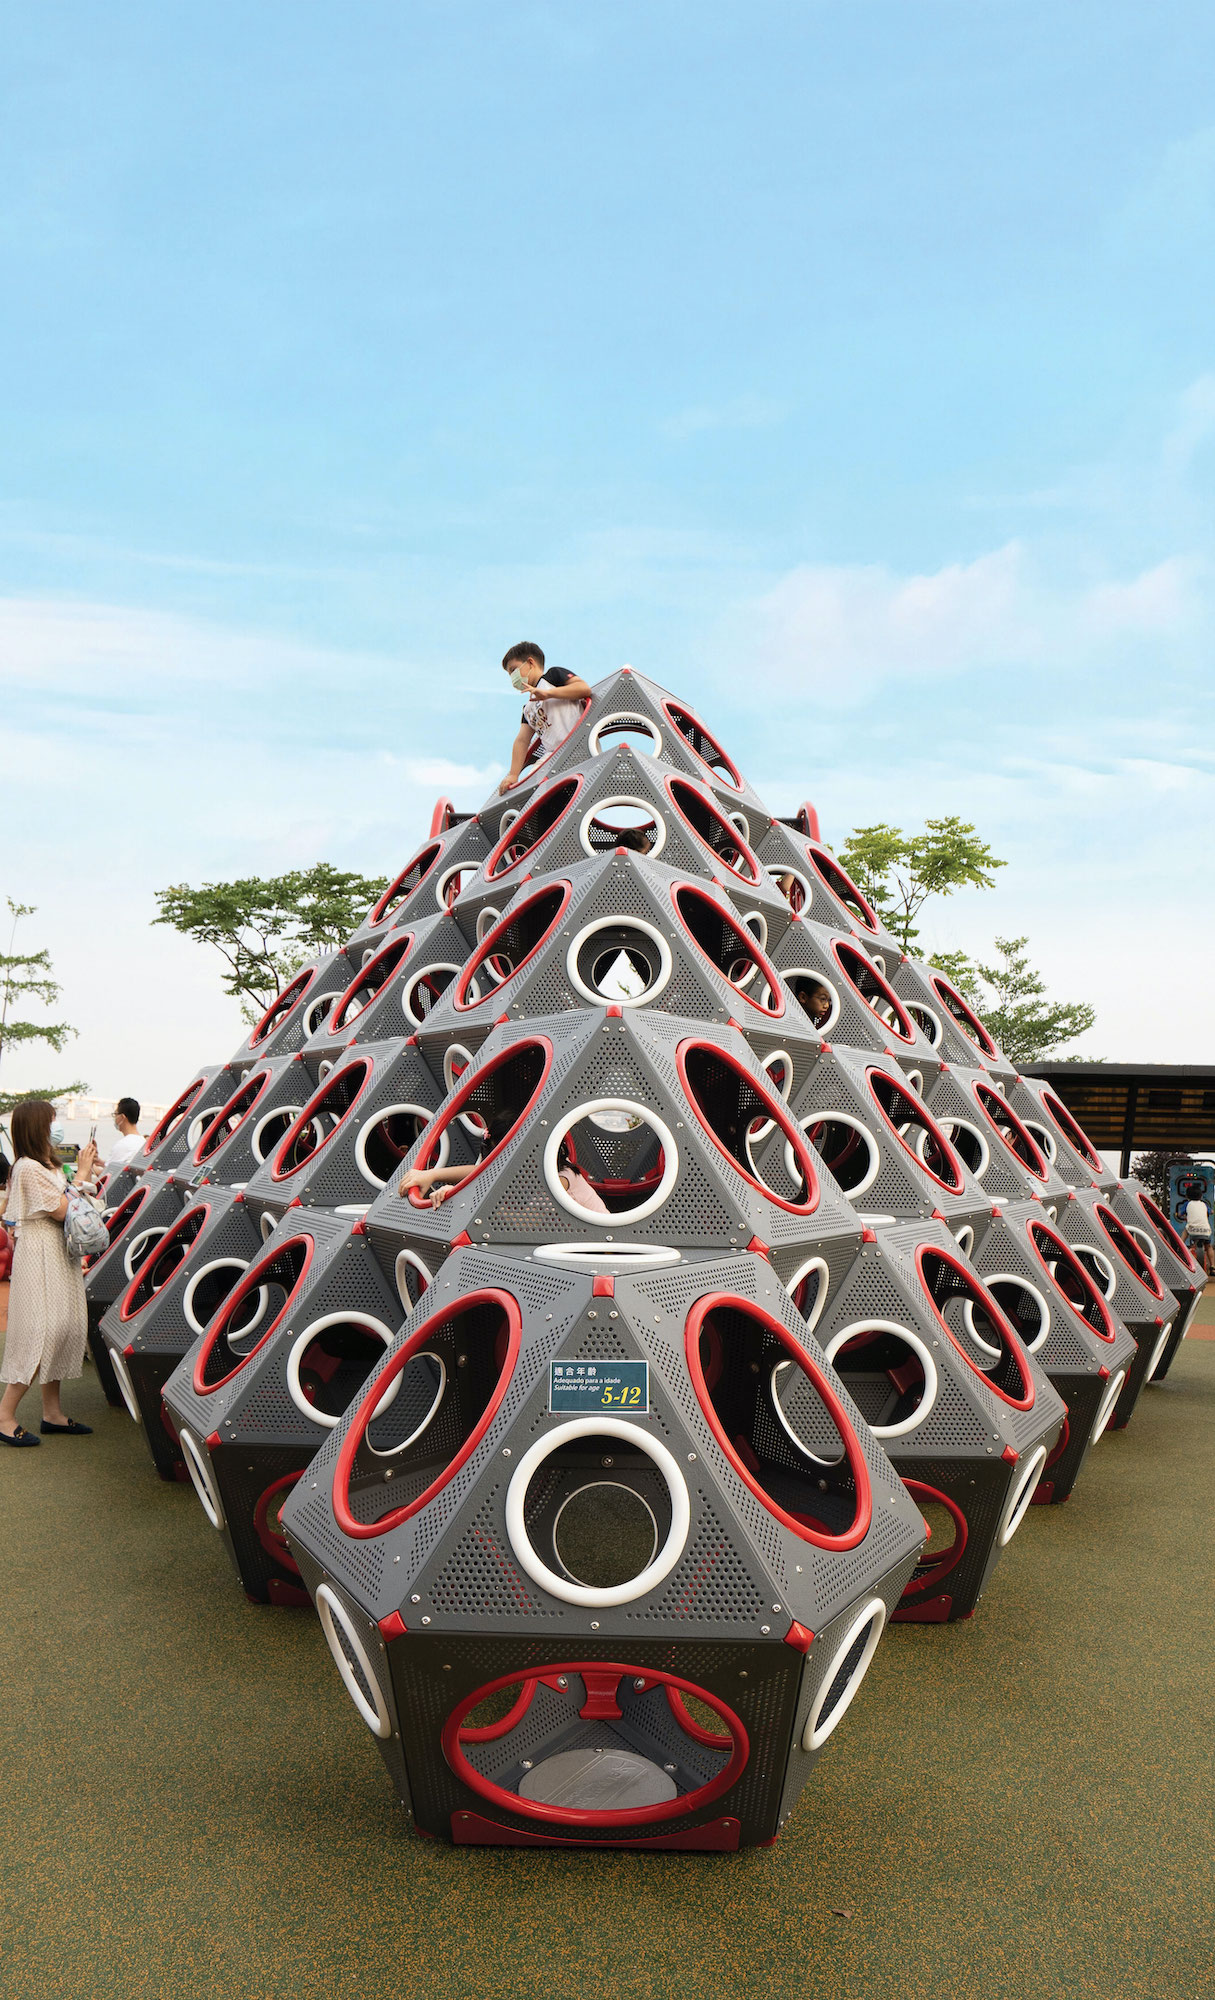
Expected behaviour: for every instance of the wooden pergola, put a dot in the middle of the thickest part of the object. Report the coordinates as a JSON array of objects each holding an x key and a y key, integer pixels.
[{"x": 1128, "y": 1107}]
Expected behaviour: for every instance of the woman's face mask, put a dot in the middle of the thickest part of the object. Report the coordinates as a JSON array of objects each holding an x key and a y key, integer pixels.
[{"x": 517, "y": 681}]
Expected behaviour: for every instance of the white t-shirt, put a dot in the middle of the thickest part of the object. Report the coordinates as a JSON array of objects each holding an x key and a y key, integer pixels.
[
  {"x": 124, "y": 1148},
  {"x": 552, "y": 720},
  {"x": 1197, "y": 1221}
]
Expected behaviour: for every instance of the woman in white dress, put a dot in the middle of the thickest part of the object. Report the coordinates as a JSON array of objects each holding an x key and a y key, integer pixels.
[{"x": 47, "y": 1314}]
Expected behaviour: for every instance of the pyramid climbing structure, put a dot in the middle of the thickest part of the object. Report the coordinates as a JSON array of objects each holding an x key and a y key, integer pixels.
[{"x": 769, "y": 1298}]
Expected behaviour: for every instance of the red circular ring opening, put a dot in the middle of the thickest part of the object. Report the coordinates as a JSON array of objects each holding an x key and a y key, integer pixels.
[
  {"x": 316, "y": 1103},
  {"x": 256, "y": 1083},
  {"x": 470, "y": 1080},
  {"x": 674, "y": 786},
  {"x": 984, "y": 1091},
  {"x": 395, "y": 951},
  {"x": 842, "y": 886},
  {"x": 178, "y": 1110},
  {"x": 282, "y": 1005},
  {"x": 571, "y": 787},
  {"x": 747, "y": 939},
  {"x": 366, "y": 1531},
  {"x": 250, "y": 1282},
  {"x": 1072, "y": 1131},
  {"x": 901, "y": 1025},
  {"x": 677, "y": 1808},
  {"x": 925, "y": 1119},
  {"x": 796, "y": 1353},
  {"x": 1165, "y": 1230},
  {"x": 978, "y": 1291},
  {"x": 275, "y": 1542},
  {"x": 424, "y": 860},
  {"x": 949, "y": 1558},
  {"x": 683, "y": 719},
  {"x": 1064, "y": 1253},
  {"x": 777, "y": 1111},
  {"x": 488, "y": 943},
  {"x": 1124, "y": 1243},
  {"x": 963, "y": 1016},
  {"x": 129, "y": 1308}
]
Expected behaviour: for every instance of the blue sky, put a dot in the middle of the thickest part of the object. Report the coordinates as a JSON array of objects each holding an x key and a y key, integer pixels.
[{"x": 849, "y": 368}]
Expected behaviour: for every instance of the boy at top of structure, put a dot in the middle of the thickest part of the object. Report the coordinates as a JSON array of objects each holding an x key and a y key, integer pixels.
[{"x": 554, "y": 698}]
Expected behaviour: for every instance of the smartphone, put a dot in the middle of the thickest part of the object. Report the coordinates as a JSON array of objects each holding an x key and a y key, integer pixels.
[{"x": 92, "y": 1135}]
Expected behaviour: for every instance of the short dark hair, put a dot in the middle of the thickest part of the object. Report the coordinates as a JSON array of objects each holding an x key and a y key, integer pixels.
[
  {"x": 525, "y": 650},
  {"x": 129, "y": 1107}
]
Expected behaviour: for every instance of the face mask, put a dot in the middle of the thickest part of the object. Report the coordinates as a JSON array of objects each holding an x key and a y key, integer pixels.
[
  {"x": 57, "y": 1135},
  {"x": 517, "y": 681}
]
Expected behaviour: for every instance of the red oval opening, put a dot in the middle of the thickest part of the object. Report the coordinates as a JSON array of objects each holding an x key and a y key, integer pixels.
[
  {"x": 963, "y": 1016},
  {"x": 1072, "y": 1131},
  {"x": 1011, "y": 1130},
  {"x": 832, "y": 1504},
  {"x": 730, "y": 948},
  {"x": 325, "y": 1112},
  {"x": 1069, "y": 1276},
  {"x": 513, "y": 940},
  {"x": 935, "y": 1563},
  {"x": 904, "y": 1112},
  {"x": 842, "y": 887},
  {"x": 545, "y": 812},
  {"x": 951, "y": 1289},
  {"x": 731, "y": 1104},
  {"x": 278, "y": 1010},
  {"x": 582, "y": 1701},
  {"x": 1137, "y": 1263},
  {"x": 410, "y": 878},
  {"x": 279, "y": 1274},
  {"x": 877, "y": 993},
  {"x": 230, "y": 1116},
  {"x": 500, "y": 1093},
  {"x": 173, "y": 1117},
  {"x": 719, "y": 835},
  {"x": 1165, "y": 1230},
  {"x": 704, "y": 746},
  {"x": 124, "y": 1215},
  {"x": 476, "y": 1337},
  {"x": 168, "y": 1256},
  {"x": 370, "y": 981}
]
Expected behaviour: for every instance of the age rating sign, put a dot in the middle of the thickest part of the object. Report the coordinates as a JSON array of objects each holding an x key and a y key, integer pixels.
[{"x": 598, "y": 1385}]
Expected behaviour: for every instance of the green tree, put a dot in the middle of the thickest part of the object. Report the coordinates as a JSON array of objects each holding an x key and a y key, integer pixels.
[
  {"x": 25, "y": 976},
  {"x": 1010, "y": 1000},
  {"x": 898, "y": 871},
  {"x": 265, "y": 928},
  {"x": 1152, "y": 1168}
]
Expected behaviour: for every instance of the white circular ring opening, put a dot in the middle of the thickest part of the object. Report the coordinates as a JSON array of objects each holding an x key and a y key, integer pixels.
[
  {"x": 394, "y": 1450},
  {"x": 1158, "y": 1351},
  {"x": 202, "y": 1478},
  {"x": 757, "y": 923},
  {"x": 376, "y": 1119},
  {"x": 1105, "y": 1274},
  {"x": 950, "y": 1127},
  {"x": 409, "y": 1260},
  {"x": 407, "y": 992},
  {"x": 289, "y": 1112},
  {"x": 238, "y": 1264},
  {"x": 677, "y": 1492},
  {"x": 935, "y": 1029},
  {"x": 1039, "y": 1299},
  {"x": 1043, "y": 1140},
  {"x": 122, "y": 1375},
  {"x": 197, "y": 1126},
  {"x": 1020, "y": 1493},
  {"x": 616, "y": 1258},
  {"x": 448, "y": 875},
  {"x": 965, "y": 1238},
  {"x": 922, "y": 1352},
  {"x": 486, "y": 921},
  {"x": 650, "y": 931},
  {"x": 300, "y": 1346},
  {"x": 1145, "y": 1242},
  {"x": 820, "y": 979},
  {"x": 857, "y": 1125},
  {"x": 316, "y": 1011},
  {"x": 335, "y": 1618},
  {"x": 1105, "y": 1409},
  {"x": 268, "y": 1225},
  {"x": 130, "y": 1258},
  {"x": 802, "y": 1272},
  {"x": 779, "y": 874},
  {"x": 641, "y": 723},
  {"x": 819, "y": 1725},
  {"x": 670, "y": 1171},
  {"x": 645, "y": 806}
]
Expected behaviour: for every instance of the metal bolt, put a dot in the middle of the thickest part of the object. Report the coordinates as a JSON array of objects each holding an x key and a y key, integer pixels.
[
  {"x": 668, "y": 1767},
  {"x": 415, "y": 1599},
  {"x": 526, "y": 1764},
  {"x": 506, "y": 1451},
  {"x": 691, "y": 1458},
  {"x": 765, "y": 1628},
  {"x": 776, "y": 1607},
  {"x": 613, "y": 1315},
  {"x": 742, "y": 1674},
  {"x": 594, "y": 1624},
  {"x": 609, "y": 1461},
  {"x": 425, "y": 1621},
  {"x": 562, "y": 1681},
  {"x": 639, "y": 1683}
]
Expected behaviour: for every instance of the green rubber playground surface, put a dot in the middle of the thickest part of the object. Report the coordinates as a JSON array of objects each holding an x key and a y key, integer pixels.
[{"x": 1018, "y": 1805}]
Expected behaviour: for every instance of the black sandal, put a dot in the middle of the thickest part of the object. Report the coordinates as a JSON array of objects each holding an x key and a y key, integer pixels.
[
  {"x": 70, "y": 1429},
  {"x": 19, "y": 1436}
]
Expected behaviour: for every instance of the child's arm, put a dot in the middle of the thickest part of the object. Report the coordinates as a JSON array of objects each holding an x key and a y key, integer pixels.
[
  {"x": 424, "y": 1178},
  {"x": 574, "y": 689},
  {"x": 518, "y": 757}
]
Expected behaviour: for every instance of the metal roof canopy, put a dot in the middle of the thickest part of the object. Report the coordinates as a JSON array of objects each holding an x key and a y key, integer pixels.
[{"x": 1129, "y": 1107}]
